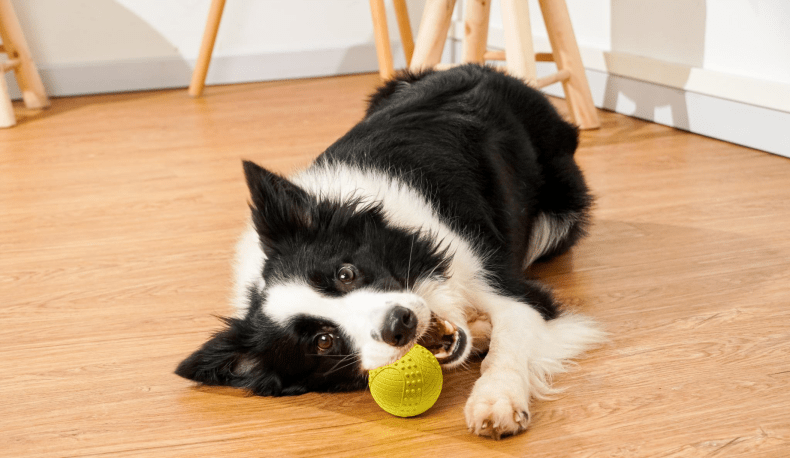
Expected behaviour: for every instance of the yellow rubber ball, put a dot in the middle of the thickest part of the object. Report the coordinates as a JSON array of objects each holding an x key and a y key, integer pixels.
[{"x": 410, "y": 385}]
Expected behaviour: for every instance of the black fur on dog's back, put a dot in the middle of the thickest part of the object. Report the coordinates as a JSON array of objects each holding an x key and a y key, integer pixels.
[{"x": 488, "y": 150}]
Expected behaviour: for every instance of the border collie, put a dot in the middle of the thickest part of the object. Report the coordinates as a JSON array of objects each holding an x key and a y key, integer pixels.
[{"x": 414, "y": 227}]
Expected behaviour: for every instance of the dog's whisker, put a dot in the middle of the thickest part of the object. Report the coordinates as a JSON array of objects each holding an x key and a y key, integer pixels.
[
  {"x": 329, "y": 356},
  {"x": 408, "y": 269},
  {"x": 335, "y": 368},
  {"x": 430, "y": 274}
]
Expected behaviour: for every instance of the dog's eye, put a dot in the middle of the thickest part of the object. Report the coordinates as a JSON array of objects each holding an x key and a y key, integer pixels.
[
  {"x": 347, "y": 274},
  {"x": 324, "y": 341}
]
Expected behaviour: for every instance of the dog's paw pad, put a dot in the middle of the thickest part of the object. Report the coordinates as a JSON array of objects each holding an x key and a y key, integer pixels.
[{"x": 497, "y": 408}]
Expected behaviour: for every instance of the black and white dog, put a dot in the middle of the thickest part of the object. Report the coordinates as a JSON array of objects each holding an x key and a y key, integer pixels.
[{"x": 414, "y": 227}]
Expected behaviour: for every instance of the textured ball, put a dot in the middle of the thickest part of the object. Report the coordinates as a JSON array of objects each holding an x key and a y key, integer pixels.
[{"x": 410, "y": 385}]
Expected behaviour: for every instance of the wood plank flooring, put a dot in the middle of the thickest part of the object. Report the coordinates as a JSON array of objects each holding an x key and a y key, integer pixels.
[{"x": 118, "y": 215}]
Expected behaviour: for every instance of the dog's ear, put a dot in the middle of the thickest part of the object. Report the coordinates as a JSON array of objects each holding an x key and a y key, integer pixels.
[
  {"x": 228, "y": 359},
  {"x": 279, "y": 207}
]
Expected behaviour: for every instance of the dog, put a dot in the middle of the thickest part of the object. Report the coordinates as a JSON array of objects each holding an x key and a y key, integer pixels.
[{"x": 415, "y": 227}]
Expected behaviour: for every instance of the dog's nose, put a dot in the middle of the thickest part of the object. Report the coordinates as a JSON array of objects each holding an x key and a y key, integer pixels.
[{"x": 400, "y": 326}]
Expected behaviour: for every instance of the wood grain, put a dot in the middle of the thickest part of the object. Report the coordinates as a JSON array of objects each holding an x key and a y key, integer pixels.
[{"x": 118, "y": 214}]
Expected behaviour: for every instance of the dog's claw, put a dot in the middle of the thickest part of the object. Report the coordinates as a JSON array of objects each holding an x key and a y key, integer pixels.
[
  {"x": 497, "y": 431},
  {"x": 522, "y": 418}
]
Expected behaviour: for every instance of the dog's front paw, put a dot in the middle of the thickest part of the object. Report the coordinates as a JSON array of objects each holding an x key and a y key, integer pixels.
[{"x": 499, "y": 405}]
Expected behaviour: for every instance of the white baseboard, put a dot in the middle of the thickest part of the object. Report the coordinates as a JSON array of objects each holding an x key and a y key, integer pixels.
[
  {"x": 736, "y": 122},
  {"x": 706, "y": 113},
  {"x": 164, "y": 73},
  {"x": 745, "y": 111}
]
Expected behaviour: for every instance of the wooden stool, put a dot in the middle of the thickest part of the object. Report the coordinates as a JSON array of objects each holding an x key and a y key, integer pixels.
[
  {"x": 519, "y": 52},
  {"x": 27, "y": 77}
]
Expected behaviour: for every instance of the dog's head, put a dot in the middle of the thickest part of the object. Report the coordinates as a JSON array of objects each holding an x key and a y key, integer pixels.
[{"x": 342, "y": 291}]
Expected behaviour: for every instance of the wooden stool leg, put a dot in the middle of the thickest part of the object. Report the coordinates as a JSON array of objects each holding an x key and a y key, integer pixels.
[
  {"x": 435, "y": 24},
  {"x": 519, "y": 50},
  {"x": 7, "y": 118},
  {"x": 567, "y": 57},
  {"x": 27, "y": 77},
  {"x": 206, "y": 48},
  {"x": 476, "y": 30},
  {"x": 381, "y": 32},
  {"x": 404, "y": 27}
]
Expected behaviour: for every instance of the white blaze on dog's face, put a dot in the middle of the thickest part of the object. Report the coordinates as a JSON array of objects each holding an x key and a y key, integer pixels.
[{"x": 380, "y": 325}]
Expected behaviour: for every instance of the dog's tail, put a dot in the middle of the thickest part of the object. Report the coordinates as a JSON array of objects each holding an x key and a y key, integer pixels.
[{"x": 567, "y": 338}]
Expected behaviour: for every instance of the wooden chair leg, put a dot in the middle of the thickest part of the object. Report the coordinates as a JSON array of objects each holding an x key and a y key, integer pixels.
[
  {"x": 567, "y": 57},
  {"x": 7, "y": 118},
  {"x": 476, "y": 19},
  {"x": 435, "y": 24},
  {"x": 381, "y": 32},
  {"x": 14, "y": 44},
  {"x": 404, "y": 27},
  {"x": 519, "y": 50},
  {"x": 206, "y": 48}
]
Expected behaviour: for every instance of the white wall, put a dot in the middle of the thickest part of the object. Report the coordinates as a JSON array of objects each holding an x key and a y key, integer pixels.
[
  {"x": 91, "y": 46},
  {"x": 92, "y": 31},
  {"x": 749, "y": 38},
  {"x": 655, "y": 59}
]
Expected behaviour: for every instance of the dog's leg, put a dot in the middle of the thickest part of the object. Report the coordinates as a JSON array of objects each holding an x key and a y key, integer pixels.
[
  {"x": 499, "y": 404},
  {"x": 525, "y": 351}
]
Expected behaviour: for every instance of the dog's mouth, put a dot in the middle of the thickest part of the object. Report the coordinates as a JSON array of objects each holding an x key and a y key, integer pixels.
[{"x": 446, "y": 341}]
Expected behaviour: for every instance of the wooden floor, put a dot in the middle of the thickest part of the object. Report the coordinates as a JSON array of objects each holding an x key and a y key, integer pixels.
[{"x": 118, "y": 215}]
